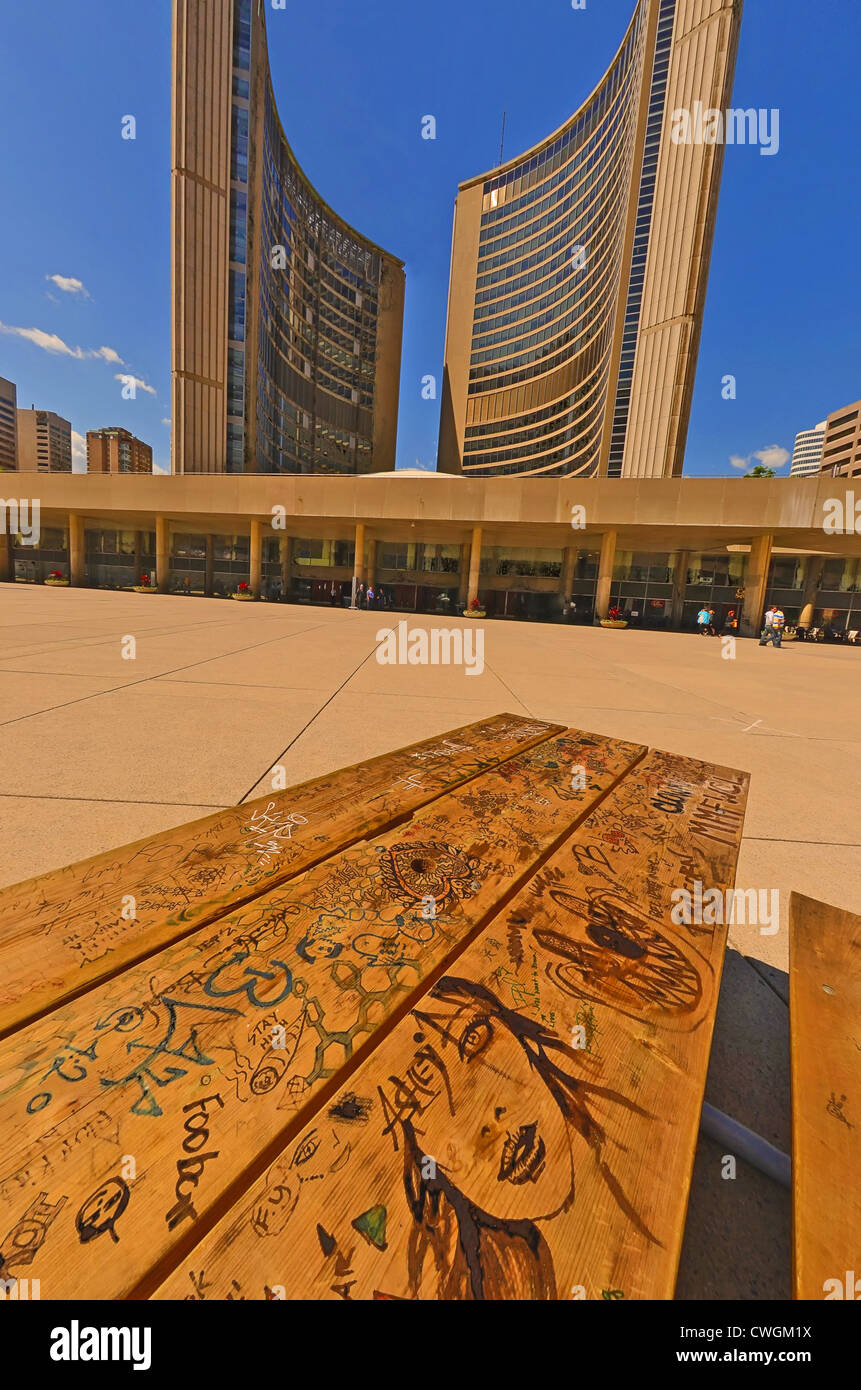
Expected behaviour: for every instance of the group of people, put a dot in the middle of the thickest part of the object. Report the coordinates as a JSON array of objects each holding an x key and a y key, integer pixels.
[
  {"x": 772, "y": 630},
  {"x": 371, "y": 597},
  {"x": 774, "y": 623},
  {"x": 706, "y": 622}
]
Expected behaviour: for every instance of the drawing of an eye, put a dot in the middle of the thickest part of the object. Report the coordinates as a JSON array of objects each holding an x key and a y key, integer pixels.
[
  {"x": 475, "y": 1039},
  {"x": 307, "y": 1148},
  {"x": 122, "y": 1020}
]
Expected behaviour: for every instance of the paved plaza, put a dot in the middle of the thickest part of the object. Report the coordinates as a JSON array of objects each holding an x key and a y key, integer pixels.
[{"x": 101, "y": 746}]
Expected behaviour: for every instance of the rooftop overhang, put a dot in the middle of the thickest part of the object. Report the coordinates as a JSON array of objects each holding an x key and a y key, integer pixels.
[{"x": 647, "y": 514}]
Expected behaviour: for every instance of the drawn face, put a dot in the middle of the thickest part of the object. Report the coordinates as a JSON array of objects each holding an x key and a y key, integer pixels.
[
  {"x": 512, "y": 1153},
  {"x": 102, "y": 1210},
  {"x": 318, "y": 1153},
  {"x": 322, "y": 948}
]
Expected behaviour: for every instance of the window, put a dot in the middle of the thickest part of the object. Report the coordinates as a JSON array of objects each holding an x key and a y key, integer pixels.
[{"x": 306, "y": 551}]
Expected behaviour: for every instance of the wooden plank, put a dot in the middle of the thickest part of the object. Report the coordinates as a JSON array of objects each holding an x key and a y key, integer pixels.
[
  {"x": 825, "y": 1044},
  {"x": 174, "y": 1064},
  {"x": 63, "y": 932},
  {"x": 528, "y": 1131}
]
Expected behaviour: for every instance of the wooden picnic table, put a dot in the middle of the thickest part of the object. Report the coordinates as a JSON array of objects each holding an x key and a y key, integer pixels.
[
  {"x": 461, "y": 1055},
  {"x": 825, "y": 1048}
]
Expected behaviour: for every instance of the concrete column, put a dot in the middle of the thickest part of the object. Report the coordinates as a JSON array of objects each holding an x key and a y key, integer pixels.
[
  {"x": 162, "y": 554},
  {"x": 372, "y": 562},
  {"x": 285, "y": 550},
  {"x": 474, "y": 565},
  {"x": 359, "y": 561},
  {"x": 463, "y": 575},
  {"x": 569, "y": 564},
  {"x": 7, "y": 572},
  {"x": 755, "y": 586},
  {"x": 209, "y": 567},
  {"x": 77, "y": 550},
  {"x": 605, "y": 574},
  {"x": 813, "y": 567},
  {"x": 256, "y": 557},
  {"x": 680, "y": 581}
]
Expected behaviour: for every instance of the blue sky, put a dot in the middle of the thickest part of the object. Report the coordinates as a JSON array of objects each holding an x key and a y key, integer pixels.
[{"x": 353, "y": 81}]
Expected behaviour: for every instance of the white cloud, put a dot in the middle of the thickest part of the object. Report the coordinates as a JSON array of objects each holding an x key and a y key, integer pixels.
[
  {"x": 69, "y": 285},
  {"x": 772, "y": 456},
  {"x": 51, "y": 342},
  {"x": 165, "y": 422},
  {"x": 126, "y": 378},
  {"x": 79, "y": 452}
]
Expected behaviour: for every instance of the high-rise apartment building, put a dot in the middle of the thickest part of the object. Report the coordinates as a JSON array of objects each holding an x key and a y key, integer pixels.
[
  {"x": 841, "y": 447},
  {"x": 807, "y": 454},
  {"x": 44, "y": 442},
  {"x": 579, "y": 268},
  {"x": 115, "y": 450},
  {"x": 287, "y": 323},
  {"x": 8, "y": 426}
]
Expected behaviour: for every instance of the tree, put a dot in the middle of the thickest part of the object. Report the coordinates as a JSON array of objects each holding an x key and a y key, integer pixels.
[{"x": 760, "y": 471}]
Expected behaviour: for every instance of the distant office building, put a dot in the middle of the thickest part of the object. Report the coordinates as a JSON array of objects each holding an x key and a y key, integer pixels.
[
  {"x": 114, "y": 450},
  {"x": 807, "y": 454},
  {"x": 579, "y": 269},
  {"x": 44, "y": 442},
  {"x": 286, "y": 322},
  {"x": 8, "y": 426},
  {"x": 841, "y": 448}
]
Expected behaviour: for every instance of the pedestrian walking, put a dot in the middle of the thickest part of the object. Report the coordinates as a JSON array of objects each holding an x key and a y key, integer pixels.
[
  {"x": 703, "y": 618},
  {"x": 775, "y": 622}
]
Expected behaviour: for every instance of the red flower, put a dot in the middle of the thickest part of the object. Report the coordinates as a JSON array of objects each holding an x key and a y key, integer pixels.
[
  {"x": 243, "y": 587},
  {"x": 144, "y": 579},
  {"x": 56, "y": 574},
  {"x": 615, "y": 613}
]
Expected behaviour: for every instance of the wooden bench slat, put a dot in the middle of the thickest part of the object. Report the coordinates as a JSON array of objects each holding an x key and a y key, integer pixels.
[
  {"x": 528, "y": 1131},
  {"x": 825, "y": 1050},
  {"x": 63, "y": 932},
  {"x": 174, "y": 1062}
]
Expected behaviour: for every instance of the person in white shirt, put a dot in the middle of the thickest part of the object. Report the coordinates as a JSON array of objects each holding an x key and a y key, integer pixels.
[{"x": 775, "y": 621}]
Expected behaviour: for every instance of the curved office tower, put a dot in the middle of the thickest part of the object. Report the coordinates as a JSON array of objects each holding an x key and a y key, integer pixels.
[
  {"x": 579, "y": 269},
  {"x": 287, "y": 323}
]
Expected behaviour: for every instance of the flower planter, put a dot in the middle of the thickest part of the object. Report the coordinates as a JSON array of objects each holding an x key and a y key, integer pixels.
[
  {"x": 614, "y": 622},
  {"x": 474, "y": 612},
  {"x": 789, "y": 636},
  {"x": 246, "y": 598},
  {"x": 144, "y": 589},
  {"x": 58, "y": 583}
]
